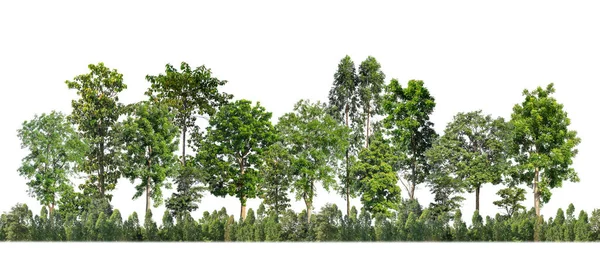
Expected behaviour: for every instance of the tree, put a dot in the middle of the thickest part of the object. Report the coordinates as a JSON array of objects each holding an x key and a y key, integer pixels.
[
  {"x": 475, "y": 146},
  {"x": 231, "y": 151},
  {"x": 96, "y": 113},
  {"x": 276, "y": 178},
  {"x": 55, "y": 150},
  {"x": 376, "y": 179},
  {"x": 370, "y": 85},
  {"x": 344, "y": 100},
  {"x": 412, "y": 132},
  {"x": 190, "y": 94},
  {"x": 511, "y": 200},
  {"x": 18, "y": 222},
  {"x": 150, "y": 231},
  {"x": 150, "y": 138},
  {"x": 543, "y": 144},
  {"x": 582, "y": 228},
  {"x": 315, "y": 141}
]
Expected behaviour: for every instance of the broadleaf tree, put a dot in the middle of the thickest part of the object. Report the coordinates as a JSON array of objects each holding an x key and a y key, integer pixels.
[
  {"x": 316, "y": 141},
  {"x": 96, "y": 113},
  {"x": 543, "y": 144},
  {"x": 231, "y": 151},
  {"x": 190, "y": 94},
  {"x": 407, "y": 119},
  {"x": 276, "y": 176},
  {"x": 370, "y": 87},
  {"x": 55, "y": 150},
  {"x": 151, "y": 139}
]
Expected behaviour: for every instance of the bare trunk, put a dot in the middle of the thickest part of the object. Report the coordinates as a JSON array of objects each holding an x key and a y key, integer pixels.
[
  {"x": 412, "y": 192},
  {"x": 183, "y": 146},
  {"x": 368, "y": 123},
  {"x": 101, "y": 170},
  {"x": 536, "y": 201},
  {"x": 148, "y": 194},
  {"x": 243, "y": 198},
  {"x": 347, "y": 172},
  {"x": 308, "y": 210},
  {"x": 477, "y": 197},
  {"x": 51, "y": 208}
]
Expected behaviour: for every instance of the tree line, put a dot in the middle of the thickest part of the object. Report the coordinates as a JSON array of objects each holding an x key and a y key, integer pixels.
[{"x": 371, "y": 140}]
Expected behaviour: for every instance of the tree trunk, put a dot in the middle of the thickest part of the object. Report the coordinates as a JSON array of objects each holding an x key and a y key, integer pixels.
[
  {"x": 536, "y": 201},
  {"x": 148, "y": 194},
  {"x": 477, "y": 197},
  {"x": 308, "y": 210},
  {"x": 412, "y": 191},
  {"x": 368, "y": 123},
  {"x": 243, "y": 198},
  {"x": 51, "y": 208},
  {"x": 347, "y": 172},
  {"x": 183, "y": 146},
  {"x": 101, "y": 170}
]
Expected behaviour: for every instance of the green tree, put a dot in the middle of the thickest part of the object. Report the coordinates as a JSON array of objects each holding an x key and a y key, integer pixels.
[
  {"x": 511, "y": 200},
  {"x": 96, "y": 113},
  {"x": 315, "y": 141},
  {"x": 443, "y": 179},
  {"x": 459, "y": 231},
  {"x": 370, "y": 85},
  {"x": 150, "y": 231},
  {"x": 18, "y": 222},
  {"x": 344, "y": 100},
  {"x": 231, "y": 152},
  {"x": 475, "y": 145},
  {"x": 54, "y": 152},
  {"x": 189, "y": 94},
  {"x": 595, "y": 225},
  {"x": 582, "y": 228},
  {"x": 412, "y": 132},
  {"x": 376, "y": 179},
  {"x": 276, "y": 178},
  {"x": 150, "y": 138},
  {"x": 132, "y": 229},
  {"x": 543, "y": 144},
  {"x": 115, "y": 226}
]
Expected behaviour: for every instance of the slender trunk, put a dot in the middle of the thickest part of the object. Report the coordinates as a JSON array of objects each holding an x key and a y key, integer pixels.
[
  {"x": 183, "y": 146},
  {"x": 536, "y": 201},
  {"x": 347, "y": 171},
  {"x": 368, "y": 123},
  {"x": 148, "y": 194},
  {"x": 412, "y": 192},
  {"x": 243, "y": 198},
  {"x": 148, "y": 180},
  {"x": 308, "y": 210},
  {"x": 101, "y": 172},
  {"x": 477, "y": 197},
  {"x": 51, "y": 208},
  {"x": 414, "y": 179}
]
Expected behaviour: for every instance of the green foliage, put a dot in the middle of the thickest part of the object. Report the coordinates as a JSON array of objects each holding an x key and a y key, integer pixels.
[
  {"x": 511, "y": 200},
  {"x": 150, "y": 138},
  {"x": 96, "y": 113},
  {"x": 276, "y": 175},
  {"x": 17, "y": 223},
  {"x": 55, "y": 150},
  {"x": 189, "y": 94},
  {"x": 376, "y": 179},
  {"x": 315, "y": 142},
  {"x": 231, "y": 152},
  {"x": 370, "y": 85},
  {"x": 407, "y": 112},
  {"x": 543, "y": 144}
]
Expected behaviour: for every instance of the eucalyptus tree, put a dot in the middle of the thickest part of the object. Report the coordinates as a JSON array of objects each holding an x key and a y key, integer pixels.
[
  {"x": 543, "y": 144},
  {"x": 231, "y": 151},
  {"x": 345, "y": 105},
  {"x": 55, "y": 150},
  {"x": 407, "y": 119},
  {"x": 370, "y": 86},
  {"x": 190, "y": 94},
  {"x": 96, "y": 112},
  {"x": 151, "y": 139},
  {"x": 315, "y": 141}
]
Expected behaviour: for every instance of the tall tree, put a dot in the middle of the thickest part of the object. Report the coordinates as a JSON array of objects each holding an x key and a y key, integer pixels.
[
  {"x": 276, "y": 178},
  {"x": 315, "y": 142},
  {"x": 376, "y": 179},
  {"x": 151, "y": 138},
  {"x": 190, "y": 94},
  {"x": 231, "y": 152},
  {"x": 511, "y": 199},
  {"x": 543, "y": 144},
  {"x": 475, "y": 147},
  {"x": 344, "y": 100},
  {"x": 370, "y": 85},
  {"x": 96, "y": 113},
  {"x": 55, "y": 150},
  {"x": 407, "y": 117}
]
